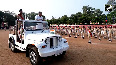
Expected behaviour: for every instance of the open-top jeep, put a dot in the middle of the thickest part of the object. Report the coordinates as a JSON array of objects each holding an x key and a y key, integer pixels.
[{"x": 35, "y": 38}]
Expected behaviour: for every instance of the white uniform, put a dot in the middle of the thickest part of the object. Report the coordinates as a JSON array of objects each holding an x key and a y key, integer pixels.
[{"x": 37, "y": 17}]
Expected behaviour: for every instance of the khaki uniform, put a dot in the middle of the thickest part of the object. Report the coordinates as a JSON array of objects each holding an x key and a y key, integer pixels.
[
  {"x": 110, "y": 34},
  {"x": 65, "y": 30},
  {"x": 89, "y": 35},
  {"x": 95, "y": 32},
  {"x": 105, "y": 32},
  {"x": 61, "y": 30},
  {"x": 20, "y": 31},
  {"x": 69, "y": 32},
  {"x": 99, "y": 34},
  {"x": 82, "y": 32},
  {"x": 75, "y": 33},
  {"x": 92, "y": 31},
  {"x": 20, "y": 20},
  {"x": 72, "y": 31},
  {"x": 58, "y": 29},
  {"x": 114, "y": 33},
  {"x": 78, "y": 31}
]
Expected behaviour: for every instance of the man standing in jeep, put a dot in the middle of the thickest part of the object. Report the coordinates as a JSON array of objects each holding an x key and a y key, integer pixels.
[
  {"x": 39, "y": 17},
  {"x": 20, "y": 17}
]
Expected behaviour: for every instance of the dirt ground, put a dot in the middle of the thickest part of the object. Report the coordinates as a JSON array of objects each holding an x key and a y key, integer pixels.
[{"x": 79, "y": 53}]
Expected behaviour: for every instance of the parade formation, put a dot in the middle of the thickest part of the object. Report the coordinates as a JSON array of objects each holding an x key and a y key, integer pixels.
[{"x": 98, "y": 31}]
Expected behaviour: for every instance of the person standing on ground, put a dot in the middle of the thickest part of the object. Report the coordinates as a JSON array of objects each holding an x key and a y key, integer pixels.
[
  {"x": 89, "y": 34},
  {"x": 69, "y": 31},
  {"x": 95, "y": 30},
  {"x": 75, "y": 32},
  {"x": 110, "y": 34},
  {"x": 114, "y": 32},
  {"x": 99, "y": 33},
  {"x": 105, "y": 32},
  {"x": 114, "y": 35},
  {"x": 65, "y": 30},
  {"x": 83, "y": 32},
  {"x": 78, "y": 30}
]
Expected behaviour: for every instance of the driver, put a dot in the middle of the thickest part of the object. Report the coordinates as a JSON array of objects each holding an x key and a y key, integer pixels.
[{"x": 39, "y": 17}]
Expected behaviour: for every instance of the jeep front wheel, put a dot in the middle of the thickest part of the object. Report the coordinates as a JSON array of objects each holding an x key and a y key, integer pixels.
[
  {"x": 34, "y": 56},
  {"x": 12, "y": 46}
]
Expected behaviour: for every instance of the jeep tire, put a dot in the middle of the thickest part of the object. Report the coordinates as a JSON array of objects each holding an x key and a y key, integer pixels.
[
  {"x": 12, "y": 46},
  {"x": 34, "y": 56}
]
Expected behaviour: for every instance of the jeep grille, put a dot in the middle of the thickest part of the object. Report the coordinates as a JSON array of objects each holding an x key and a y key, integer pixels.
[{"x": 53, "y": 42}]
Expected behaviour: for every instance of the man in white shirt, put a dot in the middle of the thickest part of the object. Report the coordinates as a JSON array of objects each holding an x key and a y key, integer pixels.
[{"x": 39, "y": 17}]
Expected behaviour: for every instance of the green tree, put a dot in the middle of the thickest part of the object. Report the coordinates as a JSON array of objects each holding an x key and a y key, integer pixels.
[{"x": 7, "y": 16}]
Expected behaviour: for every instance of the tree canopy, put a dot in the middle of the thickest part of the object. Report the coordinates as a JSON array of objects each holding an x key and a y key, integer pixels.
[
  {"x": 7, "y": 16},
  {"x": 88, "y": 15}
]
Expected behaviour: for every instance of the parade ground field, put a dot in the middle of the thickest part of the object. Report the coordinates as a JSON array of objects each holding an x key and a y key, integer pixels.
[{"x": 79, "y": 53}]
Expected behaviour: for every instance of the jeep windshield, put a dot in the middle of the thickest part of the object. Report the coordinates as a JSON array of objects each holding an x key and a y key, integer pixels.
[{"x": 33, "y": 26}]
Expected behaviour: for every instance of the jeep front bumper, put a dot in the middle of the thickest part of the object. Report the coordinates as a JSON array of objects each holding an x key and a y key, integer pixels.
[{"x": 51, "y": 51}]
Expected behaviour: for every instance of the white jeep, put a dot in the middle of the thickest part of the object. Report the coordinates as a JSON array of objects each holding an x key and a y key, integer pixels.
[{"x": 35, "y": 38}]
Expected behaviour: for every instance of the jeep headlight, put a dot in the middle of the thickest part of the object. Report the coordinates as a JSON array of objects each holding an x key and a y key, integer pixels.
[
  {"x": 42, "y": 39},
  {"x": 47, "y": 41},
  {"x": 65, "y": 41}
]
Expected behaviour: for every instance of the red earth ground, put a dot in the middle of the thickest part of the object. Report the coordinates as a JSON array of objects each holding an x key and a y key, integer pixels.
[{"x": 79, "y": 53}]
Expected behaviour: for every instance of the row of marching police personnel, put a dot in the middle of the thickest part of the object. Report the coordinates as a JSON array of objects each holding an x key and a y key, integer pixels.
[{"x": 91, "y": 31}]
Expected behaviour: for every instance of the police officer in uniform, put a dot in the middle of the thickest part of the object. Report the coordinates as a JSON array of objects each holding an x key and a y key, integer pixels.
[
  {"x": 89, "y": 34},
  {"x": 78, "y": 30},
  {"x": 69, "y": 31},
  {"x": 83, "y": 32},
  {"x": 60, "y": 29},
  {"x": 99, "y": 33},
  {"x": 110, "y": 34},
  {"x": 20, "y": 17},
  {"x": 65, "y": 30},
  {"x": 72, "y": 30},
  {"x": 105, "y": 32},
  {"x": 95, "y": 30},
  {"x": 20, "y": 31},
  {"x": 75, "y": 32},
  {"x": 114, "y": 32}
]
